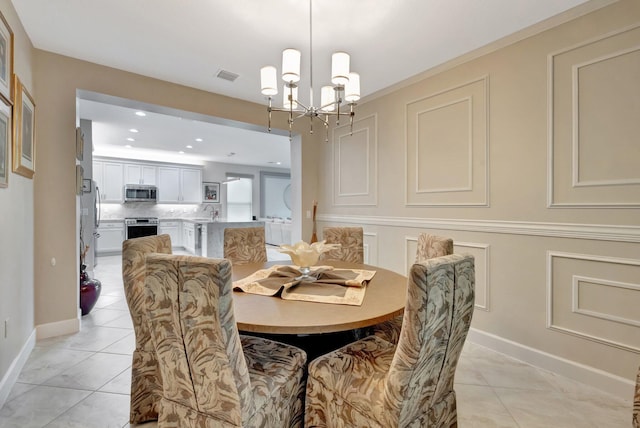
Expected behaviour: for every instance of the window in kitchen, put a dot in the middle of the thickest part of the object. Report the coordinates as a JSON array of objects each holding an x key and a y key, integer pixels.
[{"x": 239, "y": 198}]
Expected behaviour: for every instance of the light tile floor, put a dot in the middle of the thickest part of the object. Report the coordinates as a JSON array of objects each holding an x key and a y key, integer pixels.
[{"x": 83, "y": 380}]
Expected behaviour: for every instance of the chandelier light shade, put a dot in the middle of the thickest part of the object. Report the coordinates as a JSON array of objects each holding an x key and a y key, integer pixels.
[
  {"x": 327, "y": 98},
  {"x": 291, "y": 65},
  {"x": 269, "y": 80},
  {"x": 344, "y": 91},
  {"x": 352, "y": 88},
  {"x": 340, "y": 68}
]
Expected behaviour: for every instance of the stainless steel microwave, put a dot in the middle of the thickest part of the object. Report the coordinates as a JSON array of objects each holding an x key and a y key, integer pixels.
[{"x": 140, "y": 193}]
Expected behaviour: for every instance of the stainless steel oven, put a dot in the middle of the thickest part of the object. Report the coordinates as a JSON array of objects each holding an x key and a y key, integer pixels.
[{"x": 140, "y": 226}]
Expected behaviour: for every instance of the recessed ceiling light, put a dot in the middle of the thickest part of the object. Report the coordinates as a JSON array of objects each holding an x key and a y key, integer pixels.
[
  {"x": 278, "y": 163},
  {"x": 133, "y": 130},
  {"x": 128, "y": 146},
  {"x": 130, "y": 139},
  {"x": 199, "y": 139},
  {"x": 181, "y": 152},
  {"x": 189, "y": 147},
  {"x": 141, "y": 113}
]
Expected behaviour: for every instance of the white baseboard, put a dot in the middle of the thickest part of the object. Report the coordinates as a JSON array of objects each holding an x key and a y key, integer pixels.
[
  {"x": 616, "y": 385},
  {"x": 59, "y": 328},
  {"x": 10, "y": 378}
]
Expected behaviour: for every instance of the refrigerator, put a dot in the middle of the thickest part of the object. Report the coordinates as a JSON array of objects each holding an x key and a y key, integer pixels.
[{"x": 90, "y": 221}]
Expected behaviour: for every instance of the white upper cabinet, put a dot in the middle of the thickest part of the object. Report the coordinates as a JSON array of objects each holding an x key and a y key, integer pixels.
[
  {"x": 109, "y": 179},
  {"x": 179, "y": 185},
  {"x": 191, "y": 186},
  {"x": 140, "y": 174}
]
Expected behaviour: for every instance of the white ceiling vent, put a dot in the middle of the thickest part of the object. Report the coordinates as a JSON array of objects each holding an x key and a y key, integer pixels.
[{"x": 227, "y": 75}]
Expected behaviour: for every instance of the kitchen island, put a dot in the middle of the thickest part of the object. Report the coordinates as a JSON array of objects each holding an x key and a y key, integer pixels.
[{"x": 212, "y": 234}]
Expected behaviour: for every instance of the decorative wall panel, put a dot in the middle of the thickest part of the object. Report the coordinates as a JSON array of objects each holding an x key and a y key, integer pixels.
[
  {"x": 447, "y": 147},
  {"x": 481, "y": 254},
  {"x": 594, "y": 109},
  {"x": 594, "y": 297},
  {"x": 370, "y": 248},
  {"x": 355, "y": 163}
]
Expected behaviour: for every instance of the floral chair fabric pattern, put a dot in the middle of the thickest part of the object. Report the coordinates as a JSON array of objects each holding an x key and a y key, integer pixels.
[
  {"x": 373, "y": 383},
  {"x": 429, "y": 247},
  {"x": 146, "y": 385},
  {"x": 208, "y": 380},
  {"x": 351, "y": 240},
  {"x": 636, "y": 403},
  {"x": 245, "y": 245}
]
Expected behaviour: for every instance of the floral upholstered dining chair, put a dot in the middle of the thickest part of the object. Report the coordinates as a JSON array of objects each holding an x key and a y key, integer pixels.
[
  {"x": 429, "y": 247},
  {"x": 373, "y": 383},
  {"x": 636, "y": 403},
  {"x": 210, "y": 378},
  {"x": 245, "y": 245},
  {"x": 146, "y": 385},
  {"x": 351, "y": 240}
]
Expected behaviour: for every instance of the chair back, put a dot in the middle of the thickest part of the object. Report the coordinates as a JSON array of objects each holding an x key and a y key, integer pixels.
[
  {"x": 245, "y": 245},
  {"x": 440, "y": 298},
  {"x": 636, "y": 403},
  {"x": 204, "y": 372},
  {"x": 146, "y": 385},
  {"x": 431, "y": 246},
  {"x": 351, "y": 240}
]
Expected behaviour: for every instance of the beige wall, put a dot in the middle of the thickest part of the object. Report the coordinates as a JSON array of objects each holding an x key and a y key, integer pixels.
[
  {"x": 57, "y": 79},
  {"x": 16, "y": 228},
  {"x": 466, "y": 152}
]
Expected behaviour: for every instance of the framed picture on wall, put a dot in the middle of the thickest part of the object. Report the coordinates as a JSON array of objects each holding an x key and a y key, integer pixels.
[
  {"x": 79, "y": 144},
  {"x": 5, "y": 142},
  {"x": 6, "y": 59},
  {"x": 211, "y": 192},
  {"x": 24, "y": 143}
]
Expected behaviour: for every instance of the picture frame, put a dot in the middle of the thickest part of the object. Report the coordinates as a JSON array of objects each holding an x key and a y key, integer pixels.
[
  {"x": 210, "y": 192},
  {"x": 79, "y": 179},
  {"x": 6, "y": 60},
  {"x": 24, "y": 132},
  {"x": 79, "y": 144},
  {"x": 6, "y": 134}
]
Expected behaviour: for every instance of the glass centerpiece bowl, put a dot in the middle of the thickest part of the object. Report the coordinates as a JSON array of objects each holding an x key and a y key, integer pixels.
[{"x": 305, "y": 255}]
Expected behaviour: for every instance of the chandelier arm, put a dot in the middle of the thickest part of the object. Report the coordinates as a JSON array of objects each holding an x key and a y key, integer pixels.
[{"x": 269, "y": 110}]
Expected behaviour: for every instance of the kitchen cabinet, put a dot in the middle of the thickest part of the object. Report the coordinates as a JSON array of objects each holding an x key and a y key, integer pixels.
[
  {"x": 140, "y": 174},
  {"x": 173, "y": 229},
  {"x": 110, "y": 236},
  {"x": 189, "y": 236},
  {"x": 179, "y": 185},
  {"x": 110, "y": 181}
]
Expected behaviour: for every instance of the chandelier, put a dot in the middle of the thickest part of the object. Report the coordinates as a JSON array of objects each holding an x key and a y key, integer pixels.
[{"x": 345, "y": 88}]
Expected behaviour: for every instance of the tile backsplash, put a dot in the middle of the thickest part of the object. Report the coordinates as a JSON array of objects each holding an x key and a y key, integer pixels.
[{"x": 162, "y": 211}]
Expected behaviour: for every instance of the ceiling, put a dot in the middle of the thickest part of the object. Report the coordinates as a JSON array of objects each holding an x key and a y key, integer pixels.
[{"x": 190, "y": 42}]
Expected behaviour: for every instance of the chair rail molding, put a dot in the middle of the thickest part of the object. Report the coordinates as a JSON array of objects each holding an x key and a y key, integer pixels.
[{"x": 600, "y": 232}]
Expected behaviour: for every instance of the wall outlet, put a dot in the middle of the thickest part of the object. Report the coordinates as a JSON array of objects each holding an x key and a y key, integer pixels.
[{"x": 308, "y": 213}]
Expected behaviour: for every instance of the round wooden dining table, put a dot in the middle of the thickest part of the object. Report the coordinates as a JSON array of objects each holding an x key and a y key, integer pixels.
[{"x": 384, "y": 299}]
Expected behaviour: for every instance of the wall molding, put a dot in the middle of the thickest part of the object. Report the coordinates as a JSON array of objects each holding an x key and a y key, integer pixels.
[
  {"x": 487, "y": 272},
  {"x": 599, "y": 232},
  {"x": 583, "y": 335},
  {"x": 11, "y": 376},
  {"x": 485, "y": 149},
  {"x": 616, "y": 385},
  {"x": 575, "y": 299},
  {"x": 551, "y": 203},
  {"x": 575, "y": 143},
  {"x": 345, "y": 200}
]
